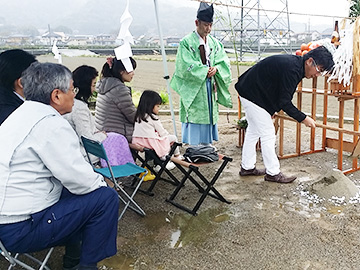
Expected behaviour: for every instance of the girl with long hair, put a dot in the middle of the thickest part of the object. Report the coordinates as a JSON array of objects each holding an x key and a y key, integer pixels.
[{"x": 148, "y": 130}]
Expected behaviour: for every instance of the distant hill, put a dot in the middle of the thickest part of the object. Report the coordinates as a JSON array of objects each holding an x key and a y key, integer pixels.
[
  {"x": 103, "y": 17},
  {"x": 96, "y": 17}
]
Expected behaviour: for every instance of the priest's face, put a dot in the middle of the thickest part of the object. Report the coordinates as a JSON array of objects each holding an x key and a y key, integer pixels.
[{"x": 203, "y": 28}]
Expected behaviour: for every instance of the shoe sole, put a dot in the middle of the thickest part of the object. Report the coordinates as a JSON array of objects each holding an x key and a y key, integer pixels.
[
  {"x": 280, "y": 182},
  {"x": 251, "y": 174}
]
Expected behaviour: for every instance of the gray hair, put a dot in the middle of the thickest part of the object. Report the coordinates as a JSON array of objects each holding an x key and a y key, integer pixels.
[{"x": 40, "y": 79}]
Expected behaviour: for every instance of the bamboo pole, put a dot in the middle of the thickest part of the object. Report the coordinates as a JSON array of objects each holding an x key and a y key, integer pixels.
[
  {"x": 298, "y": 125},
  {"x": 356, "y": 83},
  {"x": 341, "y": 134},
  {"x": 351, "y": 132},
  {"x": 313, "y": 113},
  {"x": 356, "y": 128},
  {"x": 356, "y": 56},
  {"x": 325, "y": 101}
]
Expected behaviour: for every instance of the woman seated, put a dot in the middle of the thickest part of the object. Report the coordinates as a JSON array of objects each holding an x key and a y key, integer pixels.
[
  {"x": 83, "y": 122},
  {"x": 115, "y": 110}
]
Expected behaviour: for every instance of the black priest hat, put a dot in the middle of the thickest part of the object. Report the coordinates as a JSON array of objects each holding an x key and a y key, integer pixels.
[{"x": 205, "y": 12}]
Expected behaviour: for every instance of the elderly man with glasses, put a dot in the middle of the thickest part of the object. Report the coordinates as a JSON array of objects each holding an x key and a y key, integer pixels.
[
  {"x": 49, "y": 194},
  {"x": 267, "y": 88}
]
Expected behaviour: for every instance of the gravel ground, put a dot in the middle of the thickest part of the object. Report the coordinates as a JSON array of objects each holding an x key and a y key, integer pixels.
[{"x": 267, "y": 225}]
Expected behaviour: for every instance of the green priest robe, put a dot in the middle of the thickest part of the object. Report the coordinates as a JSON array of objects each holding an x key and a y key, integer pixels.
[{"x": 189, "y": 80}]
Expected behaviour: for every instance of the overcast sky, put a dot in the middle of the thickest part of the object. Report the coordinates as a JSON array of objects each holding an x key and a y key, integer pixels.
[
  {"x": 176, "y": 16},
  {"x": 339, "y": 8},
  {"x": 319, "y": 7},
  {"x": 327, "y": 7}
]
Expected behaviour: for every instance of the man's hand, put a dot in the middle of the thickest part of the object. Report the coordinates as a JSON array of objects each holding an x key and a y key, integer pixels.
[
  {"x": 309, "y": 122},
  {"x": 211, "y": 72}
]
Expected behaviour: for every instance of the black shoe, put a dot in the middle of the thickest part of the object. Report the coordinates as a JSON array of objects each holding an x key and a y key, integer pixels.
[
  {"x": 279, "y": 178},
  {"x": 254, "y": 171},
  {"x": 71, "y": 258}
]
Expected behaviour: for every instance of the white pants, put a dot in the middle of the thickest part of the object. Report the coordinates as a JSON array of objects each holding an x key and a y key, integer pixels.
[{"x": 260, "y": 125}]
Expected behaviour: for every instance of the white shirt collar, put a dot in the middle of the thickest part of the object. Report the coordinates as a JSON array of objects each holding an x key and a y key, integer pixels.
[
  {"x": 206, "y": 46},
  {"x": 201, "y": 40},
  {"x": 20, "y": 96}
]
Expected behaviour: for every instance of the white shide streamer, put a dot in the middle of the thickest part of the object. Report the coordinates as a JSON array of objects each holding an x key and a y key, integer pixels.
[{"x": 343, "y": 58}]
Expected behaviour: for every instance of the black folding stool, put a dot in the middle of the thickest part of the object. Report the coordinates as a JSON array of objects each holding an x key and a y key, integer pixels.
[
  {"x": 208, "y": 190},
  {"x": 150, "y": 155}
]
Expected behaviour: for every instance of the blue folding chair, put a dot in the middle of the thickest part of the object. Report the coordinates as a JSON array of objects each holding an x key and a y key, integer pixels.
[
  {"x": 14, "y": 259},
  {"x": 112, "y": 172}
]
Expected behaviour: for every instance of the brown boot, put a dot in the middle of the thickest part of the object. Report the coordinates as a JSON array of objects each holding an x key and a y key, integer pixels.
[
  {"x": 279, "y": 178},
  {"x": 254, "y": 171}
]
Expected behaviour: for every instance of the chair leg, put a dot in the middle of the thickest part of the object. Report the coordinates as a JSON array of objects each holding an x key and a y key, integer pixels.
[
  {"x": 173, "y": 180},
  {"x": 130, "y": 201},
  {"x": 96, "y": 148},
  {"x": 136, "y": 208},
  {"x": 23, "y": 265},
  {"x": 151, "y": 155},
  {"x": 41, "y": 263},
  {"x": 205, "y": 191}
]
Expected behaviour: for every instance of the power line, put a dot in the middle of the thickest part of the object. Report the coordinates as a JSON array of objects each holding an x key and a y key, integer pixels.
[{"x": 270, "y": 10}]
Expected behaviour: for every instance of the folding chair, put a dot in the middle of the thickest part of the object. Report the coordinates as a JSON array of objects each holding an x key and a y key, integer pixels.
[
  {"x": 14, "y": 260},
  {"x": 113, "y": 172},
  {"x": 207, "y": 190},
  {"x": 150, "y": 155}
]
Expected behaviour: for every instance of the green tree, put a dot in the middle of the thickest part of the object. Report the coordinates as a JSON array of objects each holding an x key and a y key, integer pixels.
[{"x": 354, "y": 9}]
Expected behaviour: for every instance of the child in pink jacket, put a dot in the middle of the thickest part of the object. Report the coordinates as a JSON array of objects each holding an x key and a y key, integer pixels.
[{"x": 148, "y": 130}]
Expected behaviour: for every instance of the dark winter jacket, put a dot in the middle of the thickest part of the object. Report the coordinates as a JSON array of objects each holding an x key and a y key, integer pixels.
[
  {"x": 9, "y": 102},
  {"x": 115, "y": 111},
  {"x": 272, "y": 82}
]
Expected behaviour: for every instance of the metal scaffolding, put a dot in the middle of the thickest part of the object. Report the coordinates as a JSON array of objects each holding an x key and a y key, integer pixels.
[{"x": 253, "y": 27}]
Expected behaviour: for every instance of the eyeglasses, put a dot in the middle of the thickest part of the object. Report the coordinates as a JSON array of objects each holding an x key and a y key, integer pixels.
[
  {"x": 75, "y": 90},
  {"x": 322, "y": 73}
]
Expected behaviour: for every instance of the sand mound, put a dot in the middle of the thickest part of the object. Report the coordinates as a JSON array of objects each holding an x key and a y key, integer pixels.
[{"x": 334, "y": 184}]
